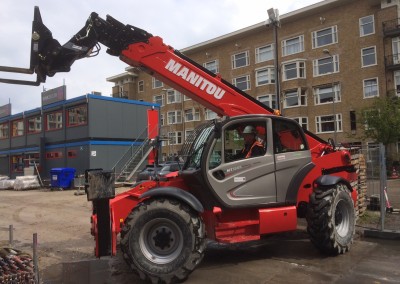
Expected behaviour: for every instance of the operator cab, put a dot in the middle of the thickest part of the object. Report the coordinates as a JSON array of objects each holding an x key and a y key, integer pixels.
[{"x": 244, "y": 161}]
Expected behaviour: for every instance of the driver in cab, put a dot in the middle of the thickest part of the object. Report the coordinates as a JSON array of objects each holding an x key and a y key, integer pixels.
[{"x": 252, "y": 147}]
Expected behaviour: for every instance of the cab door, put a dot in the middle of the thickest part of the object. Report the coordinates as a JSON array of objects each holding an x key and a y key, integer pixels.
[{"x": 239, "y": 181}]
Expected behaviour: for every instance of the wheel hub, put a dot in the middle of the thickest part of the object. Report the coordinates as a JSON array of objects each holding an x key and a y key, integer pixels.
[
  {"x": 161, "y": 241},
  {"x": 163, "y": 238}
]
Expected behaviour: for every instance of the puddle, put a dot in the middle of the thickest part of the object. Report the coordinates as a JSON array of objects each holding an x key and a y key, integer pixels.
[{"x": 82, "y": 272}]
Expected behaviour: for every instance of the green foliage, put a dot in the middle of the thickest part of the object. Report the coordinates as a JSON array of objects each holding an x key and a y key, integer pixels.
[{"x": 382, "y": 120}]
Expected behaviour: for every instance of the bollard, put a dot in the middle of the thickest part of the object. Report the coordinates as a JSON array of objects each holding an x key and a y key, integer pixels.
[
  {"x": 35, "y": 261},
  {"x": 11, "y": 235}
]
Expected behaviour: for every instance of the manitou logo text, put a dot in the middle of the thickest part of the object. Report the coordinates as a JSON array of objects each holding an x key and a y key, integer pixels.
[{"x": 194, "y": 79}]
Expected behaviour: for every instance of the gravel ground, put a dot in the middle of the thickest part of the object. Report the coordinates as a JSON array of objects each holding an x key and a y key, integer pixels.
[{"x": 62, "y": 223}]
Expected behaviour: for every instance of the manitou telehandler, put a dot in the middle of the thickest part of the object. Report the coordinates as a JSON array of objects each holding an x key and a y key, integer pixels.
[{"x": 164, "y": 223}]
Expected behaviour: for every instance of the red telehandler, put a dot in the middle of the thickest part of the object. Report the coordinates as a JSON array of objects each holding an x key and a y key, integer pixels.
[{"x": 164, "y": 223}]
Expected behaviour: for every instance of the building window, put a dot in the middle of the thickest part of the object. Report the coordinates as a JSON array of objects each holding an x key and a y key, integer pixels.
[
  {"x": 173, "y": 96},
  {"x": 240, "y": 60},
  {"x": 77, "y": 116},
  {"x": 324, "y": 37},
  {"x": 293, "y": 45},
  {"x": 269, "y": 100},
  {"x": 189, "y": 134},
  {"x": 242, "y": 83},
  {"x": 396, "y": 75},
  {"x": 326, "y": 65},
  {"x": 175, "y": 137},
  {"x": 4, "y": 130},
  {"x": 265, "y": 76},
  {"x": 294, "y": 70},
  {"x": 174, "y": 117},
  {"x": 209, "y": 114},
  {"x": 326, "y": 123},
  {"x": 370, "y": 87},
  {"x": 157, "y": 83},
  {"x": 34, "y": 124},
  {"x": 303, "y": 121},
  {"x": 158, "y": 99},
  {"x": 72, "y": 154},
  {"x": 54, "y": 121},
  {"x": 162, "y": 122},
  {"x": 192, "y": 115},
  {"x": 141, "y": 86},
  {"x": 353, "y": 120},
  {"x": 367, "y": 26},
  {"x": 212, "y": 66},
  {"x": 185, "y": 98},
  {"x": 264, "y": 53},
  {"x": 327, "y": 94},
  {"x": 17, "y": 127},
  {"x": 295, "y": 98},
  {"x": 54, "y": 155},
  {"x": 17, "y": 163},
  {"x": 368, "y": 56}
]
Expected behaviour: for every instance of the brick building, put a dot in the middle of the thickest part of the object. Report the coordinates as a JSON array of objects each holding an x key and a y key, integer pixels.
[{"x": 334, "y": 57}]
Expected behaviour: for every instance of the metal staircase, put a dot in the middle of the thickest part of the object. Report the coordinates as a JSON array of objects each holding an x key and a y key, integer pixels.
[{"x": 130, "y": 162}]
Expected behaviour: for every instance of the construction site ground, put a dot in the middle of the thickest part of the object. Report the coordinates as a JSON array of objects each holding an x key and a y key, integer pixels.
[{"x": 61, "y": 220}]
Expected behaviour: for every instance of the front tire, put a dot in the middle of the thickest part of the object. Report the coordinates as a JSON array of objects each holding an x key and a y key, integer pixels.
[
  {"x": 163, "y": 240},
  {"x": 331, "y": 219}
]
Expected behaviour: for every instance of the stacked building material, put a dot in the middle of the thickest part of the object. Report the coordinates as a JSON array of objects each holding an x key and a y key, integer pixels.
[{"x": 15, "y": 267}]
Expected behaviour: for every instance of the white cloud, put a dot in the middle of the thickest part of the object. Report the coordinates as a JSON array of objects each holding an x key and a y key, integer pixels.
[{"x": 181, "y": 23}]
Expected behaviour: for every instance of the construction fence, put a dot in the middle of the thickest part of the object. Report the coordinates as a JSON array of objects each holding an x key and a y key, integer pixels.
[{"x": 379, "y": 190}]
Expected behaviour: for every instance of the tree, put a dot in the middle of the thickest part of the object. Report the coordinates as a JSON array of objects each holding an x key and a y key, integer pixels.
[{"x": 382, "y": 120}]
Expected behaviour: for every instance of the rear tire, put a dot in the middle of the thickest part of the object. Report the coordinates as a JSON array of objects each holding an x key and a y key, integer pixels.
[
  {"x": 331, "y": 219},
  {"x": 163, "y": 240}
]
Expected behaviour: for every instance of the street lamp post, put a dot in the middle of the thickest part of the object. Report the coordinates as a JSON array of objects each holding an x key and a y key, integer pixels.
[
  {"x": 273, "y": 16},
  {"x": 326, "y": 51}
]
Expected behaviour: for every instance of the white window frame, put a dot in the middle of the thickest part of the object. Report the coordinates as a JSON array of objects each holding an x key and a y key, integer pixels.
[
  {"x": 141, "y": 86},
  {"x": 287, "y": 45},
  {"x": 269, "y": 100},
  {"x": 365, "y": 88},
  {"x": 363, "y": 56},
  {"x": 192, "y": 114},
  {"x": 265, "y": 76},
  {"x": 363, "y": 22},
  {"x": 212, "y": 66},
  {"x": 237, "y": 57},
  {"x": 317, "y": 35},
  {"x": 264, "y": 53},
  {"x": 209, "y": 114},
  {"x": 173, "y": 96},
  {"x": 156, "y": 99},
  {"x": 174, "y": 117},
  {"x": 162, "y": 121},
  {"x": 188, "y": 132},
  {"x": 396, "y": 81},
  {"x": 303, "y": 121},
  {"x": 323, "y": 62},
  {"x": 175, "y": 138},
  {"x": 319, "y": 123},
  {"x": 300, "y": 67},
  {"x": 157, "y": 83},
  {"x": 323, "y": 94},
  {"x": 242, "y": 80},
  {"x": 301, "y": 98}
]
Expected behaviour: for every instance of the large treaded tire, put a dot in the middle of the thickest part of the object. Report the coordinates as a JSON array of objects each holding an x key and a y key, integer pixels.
[
  {"x": 331, "y": 219},
  {"x": 163, "y": 240}
]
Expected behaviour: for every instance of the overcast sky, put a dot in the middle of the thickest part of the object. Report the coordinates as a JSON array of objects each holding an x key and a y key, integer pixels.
[{"x": 181, "y": 23}]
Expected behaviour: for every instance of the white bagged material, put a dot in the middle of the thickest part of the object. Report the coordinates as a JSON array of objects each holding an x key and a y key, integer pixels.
[
  {"x": 26, "y": 182},
  {"x": 7, "y": 184}
]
